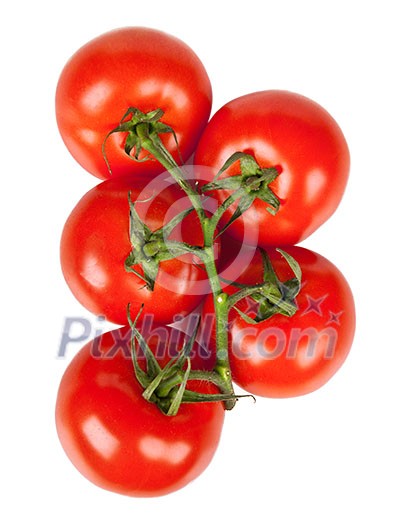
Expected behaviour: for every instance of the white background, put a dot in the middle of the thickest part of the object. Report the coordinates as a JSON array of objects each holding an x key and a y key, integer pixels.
[{"x": 325, "y": 458}]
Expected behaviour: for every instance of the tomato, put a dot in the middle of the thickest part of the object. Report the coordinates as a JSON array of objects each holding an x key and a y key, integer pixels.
[
  {"x": 96, "y": 242},
  {"x": 130, "y": 67},
  {"x": 297, "y": 136},
  {"x": 289, "y": 356},
  {"x": 120, "y": 441}
]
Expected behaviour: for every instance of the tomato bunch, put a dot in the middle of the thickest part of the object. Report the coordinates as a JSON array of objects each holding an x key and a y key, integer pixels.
[{"x": 206, "y": 251}]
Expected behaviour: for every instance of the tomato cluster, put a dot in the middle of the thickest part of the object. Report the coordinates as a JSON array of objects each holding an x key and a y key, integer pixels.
[{"x": 209, "y": 244}]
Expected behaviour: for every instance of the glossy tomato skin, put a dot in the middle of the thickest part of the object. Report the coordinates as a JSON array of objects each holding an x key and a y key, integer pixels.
[
  {"x": 121, "y": 442},
  {"x": 130, "y": 67},
  {"x": 291, "y": 356},
  {"x": 95, "y": 244},
  {"x": 295, "y": 134}
]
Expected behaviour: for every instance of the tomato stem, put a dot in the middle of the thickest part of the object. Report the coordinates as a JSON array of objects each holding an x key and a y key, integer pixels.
[
  {"x": 154, "y": 145},
  {"x": 167, "y": 386},
  {"x": 143, "y": 133},
  {"x": 222, "y": 366}
]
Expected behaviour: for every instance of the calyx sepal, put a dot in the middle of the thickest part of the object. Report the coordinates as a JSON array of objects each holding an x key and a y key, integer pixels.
[
  {"x": 150, "y": 248},
  {"x": 167, "y": 387},
  {"x": 272, "y": 296},
  {"x": 138, "y": 126},
  {"x": 252, "y": 183}
]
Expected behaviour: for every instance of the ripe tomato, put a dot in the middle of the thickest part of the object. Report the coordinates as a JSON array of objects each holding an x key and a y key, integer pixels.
[
  {"x": 95, "y": 244},
  {"x": 120, "y": 441},
  {"x": 298, "y": 137},
  {"x": 290, "y": 356},
  {"x": 130, "y": 67}
]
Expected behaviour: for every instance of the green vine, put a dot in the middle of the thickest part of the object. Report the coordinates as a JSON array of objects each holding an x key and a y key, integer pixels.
[{"x": 167, "y": 387}]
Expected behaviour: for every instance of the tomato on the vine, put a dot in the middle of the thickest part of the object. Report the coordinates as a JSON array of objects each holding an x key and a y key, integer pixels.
[
  {"x": 130, "y": 67},
  {"x": 120, "y": 441},
  {"x": 95, "y": 244},
  {"x": 289, "y": 356},
  {"x": 301, "y": 140}
]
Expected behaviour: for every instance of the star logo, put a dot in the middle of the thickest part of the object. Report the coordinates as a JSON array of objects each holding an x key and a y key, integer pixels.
[
  {"x": 334, "y": 318},
  {"x": 252, "y": 306},
  {"x": 314, "y": 305}
]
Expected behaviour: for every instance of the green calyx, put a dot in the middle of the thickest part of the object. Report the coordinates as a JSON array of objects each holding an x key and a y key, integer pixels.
[
  {"x": 253, "y": 183},
  {"x": 150, "y": 248},
  {"x": 256, "y": 181},
  {"x": 167, "y": 387},
  {"x": 140, "y": 127},
  {"x": 272, "y": 296}
]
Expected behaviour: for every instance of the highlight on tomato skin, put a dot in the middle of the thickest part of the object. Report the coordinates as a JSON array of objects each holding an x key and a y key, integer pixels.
[
  {"x": 299, "y": 138},
  {"x": 130, "y": 67},
  {"x": 289, "y": 356},
  {"x": 117, "y": 439}
]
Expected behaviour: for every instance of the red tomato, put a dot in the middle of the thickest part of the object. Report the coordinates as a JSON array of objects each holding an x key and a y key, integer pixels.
[
  {"x": 290, "y": 356},
  {"x": 120, "y": 441},
  {"x": 96, "y": 242},
  {"x": 298, "y": 137},
  {"x": 130, "y": 67}
]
